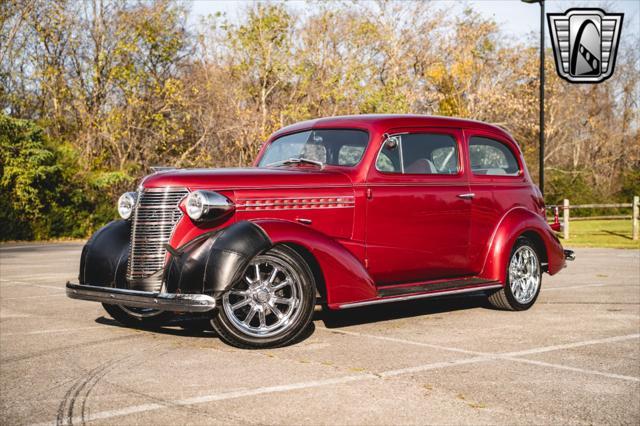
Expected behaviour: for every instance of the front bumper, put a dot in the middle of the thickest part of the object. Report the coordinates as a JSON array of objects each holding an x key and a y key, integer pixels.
[{"x": 142, "y": 299}]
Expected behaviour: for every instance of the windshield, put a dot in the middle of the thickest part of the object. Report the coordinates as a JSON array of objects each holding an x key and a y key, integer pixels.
[{"x": 330, "y": 147}]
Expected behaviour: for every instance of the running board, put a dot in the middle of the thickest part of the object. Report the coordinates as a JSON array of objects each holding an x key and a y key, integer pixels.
[
  {"x": 490, "y": 285},
  {"x": 441, "y": 285}
]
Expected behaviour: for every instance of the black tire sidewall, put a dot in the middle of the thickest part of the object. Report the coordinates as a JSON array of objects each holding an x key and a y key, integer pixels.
[
  {"x": 231, "y": 335},
  {"x": 521, "y": 241}
]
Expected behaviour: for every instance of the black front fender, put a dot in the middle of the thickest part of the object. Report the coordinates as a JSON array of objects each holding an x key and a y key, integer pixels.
[
  {"x": 212, "y": 262},
  {"x": 105, "y": 256}
]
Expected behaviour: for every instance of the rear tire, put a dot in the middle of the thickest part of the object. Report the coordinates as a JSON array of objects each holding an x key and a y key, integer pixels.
[
  {"x": 271, "y": 306},
  {"x": 138, "y": 317},
  {"x": 524, "y": 278}
]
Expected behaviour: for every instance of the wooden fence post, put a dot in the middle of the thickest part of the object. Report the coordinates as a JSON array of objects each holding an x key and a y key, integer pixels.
[
  {"x": 565, "y": 218},
  {"x": 635, "y": 212}
]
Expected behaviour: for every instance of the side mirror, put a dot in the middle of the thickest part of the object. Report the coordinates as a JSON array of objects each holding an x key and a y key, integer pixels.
[{"x": 391, "y": 143}]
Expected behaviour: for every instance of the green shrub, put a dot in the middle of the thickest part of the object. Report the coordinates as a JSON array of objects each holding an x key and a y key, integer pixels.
[{"x": 44, "y": 193}]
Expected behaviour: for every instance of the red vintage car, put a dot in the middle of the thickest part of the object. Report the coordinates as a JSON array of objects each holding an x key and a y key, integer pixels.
[{"x": 344, "y": 211}]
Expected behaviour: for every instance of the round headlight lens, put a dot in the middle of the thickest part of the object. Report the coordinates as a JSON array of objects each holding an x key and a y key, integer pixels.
[
  {"x": 202, "y": 206},
  {"x": 126, "y": 204},
  {"x": 195, "y": 205}
]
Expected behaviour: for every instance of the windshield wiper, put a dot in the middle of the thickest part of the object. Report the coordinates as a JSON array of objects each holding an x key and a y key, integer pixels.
[{"x": 297, "y": 160}]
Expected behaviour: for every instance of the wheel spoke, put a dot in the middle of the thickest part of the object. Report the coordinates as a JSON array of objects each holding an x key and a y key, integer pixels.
[
  {"x": 273, "y": 275},
  {"x": 257, "y": 270},
  {"x": 250, "y": 316},
  {"x": 240, "y": 304},
  {"x": 280, "y": 285},
  {"x": 283, "y": 301},
  {"x": 277, "y": 312},
  {"x": 263, "y": 318}
]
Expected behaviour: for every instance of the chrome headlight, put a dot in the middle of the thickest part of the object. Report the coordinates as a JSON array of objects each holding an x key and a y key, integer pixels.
[
  {"x": 126, "y": 204},
  {"x": 207, "y": 205}
]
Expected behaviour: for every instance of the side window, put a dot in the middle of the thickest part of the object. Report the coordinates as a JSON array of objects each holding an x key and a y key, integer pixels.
[
  {"x": 419, "y": 153},
  {"x": 349, "y": 155},
  {"x": 389, "y": 157},
  {"x": 490, "y": 157}
]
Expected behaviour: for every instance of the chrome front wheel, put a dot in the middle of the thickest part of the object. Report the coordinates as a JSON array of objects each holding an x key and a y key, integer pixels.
[
  {"x": 271, "y": 304},
  {"x": 267, "y": 300}
]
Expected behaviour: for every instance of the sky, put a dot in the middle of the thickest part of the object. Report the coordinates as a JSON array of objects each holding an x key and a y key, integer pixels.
[{"x": 517, "y": 18}]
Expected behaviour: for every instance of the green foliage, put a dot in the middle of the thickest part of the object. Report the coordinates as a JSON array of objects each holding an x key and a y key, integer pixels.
[
  {"x": 42, "y": 197},
  {"x": 572, "y": 186},
  {"x": 630, "y": 184},
  {"x": 29, "y": 179},
  {"x": 107, "y": 89}
]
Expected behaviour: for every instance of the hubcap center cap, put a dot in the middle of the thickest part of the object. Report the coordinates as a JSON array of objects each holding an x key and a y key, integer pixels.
[{"x": 262, "y": 295}]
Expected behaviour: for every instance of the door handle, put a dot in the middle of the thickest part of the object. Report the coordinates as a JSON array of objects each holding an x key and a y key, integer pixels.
[{"x": 467, "y": 196}]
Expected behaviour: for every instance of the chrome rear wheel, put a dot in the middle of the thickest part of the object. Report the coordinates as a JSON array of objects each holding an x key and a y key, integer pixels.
[
  {"x": 524, "y": 274},
  {"x": 524, "y": 278}
]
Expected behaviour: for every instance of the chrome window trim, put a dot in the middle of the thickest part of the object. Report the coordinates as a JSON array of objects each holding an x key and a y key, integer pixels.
[
  {"x": 517, "y": 153},
  {"x": 387, "y": 136}
]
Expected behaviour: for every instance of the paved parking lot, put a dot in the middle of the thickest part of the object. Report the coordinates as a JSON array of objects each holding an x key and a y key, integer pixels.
[{"x": 573, "y": 358}]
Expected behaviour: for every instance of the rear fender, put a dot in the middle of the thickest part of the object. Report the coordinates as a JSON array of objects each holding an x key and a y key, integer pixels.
[
  {"x": 513, "y": 224},
  {"x": 345, "y": 277}
]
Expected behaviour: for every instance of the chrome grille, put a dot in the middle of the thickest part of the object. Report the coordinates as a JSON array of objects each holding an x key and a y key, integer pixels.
[{"x": 155, "y": 216}]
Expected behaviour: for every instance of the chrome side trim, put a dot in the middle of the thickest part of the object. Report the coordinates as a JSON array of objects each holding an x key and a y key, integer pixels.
[
  {"x": 142, "y": 299},
  {"x": 418, "y": 296},
  {"x": 299, "y": 203}
]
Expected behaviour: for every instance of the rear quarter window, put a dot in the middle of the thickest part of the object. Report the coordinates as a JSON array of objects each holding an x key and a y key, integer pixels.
[{"x": 492, "y": 158}]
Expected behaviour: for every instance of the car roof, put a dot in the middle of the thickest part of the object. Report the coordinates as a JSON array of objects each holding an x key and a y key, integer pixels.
[{"x": 378, "y": 122}]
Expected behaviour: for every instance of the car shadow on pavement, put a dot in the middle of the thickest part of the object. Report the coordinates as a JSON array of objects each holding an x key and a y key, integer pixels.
[
  {"x": 191, "y": 328},
  {"x": 397, "y": 310},
  {"x": 178, "y": 327},
  {"x": 199, "y": 327}
]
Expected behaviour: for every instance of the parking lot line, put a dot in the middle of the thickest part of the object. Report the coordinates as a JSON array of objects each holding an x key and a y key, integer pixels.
[
  {"x": 578, "y": 370},
  {"x": 497, "y": 355},
  {"x": 53, "y": 331},
  {"x": 575, "y": 286},
  {"x": 513, "y": 356},
  {"x": 102, "y": 415},
  {"x": 570, "y": 345},
  {"x": 33, "y": 297},
  {"x": 360, "y": 377},
  {"x": 403, "y": 341},
  {"x": 21, "y": 283}
]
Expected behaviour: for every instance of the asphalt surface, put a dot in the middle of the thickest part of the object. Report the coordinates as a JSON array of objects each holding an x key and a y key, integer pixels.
[{"x": 573, "y": 358}]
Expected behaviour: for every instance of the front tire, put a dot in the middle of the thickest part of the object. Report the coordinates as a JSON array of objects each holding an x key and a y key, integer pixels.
[
  {"x": 137, "y": 317},
  {"x": 524, "y": 278},
  {"x": 272, "y": 305}
]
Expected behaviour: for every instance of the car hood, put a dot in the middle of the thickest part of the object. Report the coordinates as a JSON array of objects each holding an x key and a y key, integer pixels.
[{"x": 243, "y": 178}]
